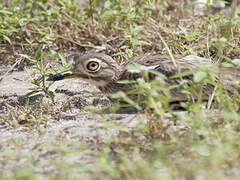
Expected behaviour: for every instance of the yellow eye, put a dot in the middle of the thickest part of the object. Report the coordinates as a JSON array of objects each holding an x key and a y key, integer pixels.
[{"x": 93, "y": 66}]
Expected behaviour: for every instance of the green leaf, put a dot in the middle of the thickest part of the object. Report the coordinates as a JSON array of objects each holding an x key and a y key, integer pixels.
[
  {"x": 33, "y": 92},
  {"x": 227, "y": 65},
  {"x": 199, "y": 76},
  {"x": 63, "y": 60},
  {"x": 5, "y": 12},
  {"x": 51, "y": 94},
  {"x": 126, "y": 81},
  {"x": 28, "y": 57},
  {"x": 22, "y": 21},
  {"x": 182, "y": 74},
  {"x": 122, "y": 95},
  {"x": 7, "y": 39},
  {"x": 38, "y": 54}
]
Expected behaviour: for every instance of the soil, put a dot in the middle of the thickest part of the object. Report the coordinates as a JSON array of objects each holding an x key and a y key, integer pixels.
[
  {"x": 73, "y": 124},
  {"x": 26, "y": 139}
]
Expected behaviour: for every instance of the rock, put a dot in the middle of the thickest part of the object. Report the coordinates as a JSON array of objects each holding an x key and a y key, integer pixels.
[
  {"x": 15, "y": 84},
  {"x": 13, "y": 88},
  {"x": 201, "y": 7},
  {"x": 77, "y": 93}
]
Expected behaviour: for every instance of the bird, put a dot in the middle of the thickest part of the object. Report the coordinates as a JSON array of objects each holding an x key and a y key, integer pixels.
[{"x": 104, "y": 72}]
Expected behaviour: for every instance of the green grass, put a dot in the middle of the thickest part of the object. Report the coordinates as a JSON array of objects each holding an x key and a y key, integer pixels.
[{"x": 204, "y": 144}]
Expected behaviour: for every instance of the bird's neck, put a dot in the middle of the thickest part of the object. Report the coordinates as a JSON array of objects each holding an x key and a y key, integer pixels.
[{"x": 113, "y": 86}]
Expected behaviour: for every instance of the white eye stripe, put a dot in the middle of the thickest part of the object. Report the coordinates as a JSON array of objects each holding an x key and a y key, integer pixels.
[
  {"x": 138, "y": 71},
  {"x": 152, "y": 67},
  {"x": 95, "y": 60}
]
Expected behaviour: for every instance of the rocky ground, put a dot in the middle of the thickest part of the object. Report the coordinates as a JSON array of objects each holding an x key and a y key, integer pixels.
[
  {"x": 72, "y": 125},
  {"x": 21, "y": 140}
]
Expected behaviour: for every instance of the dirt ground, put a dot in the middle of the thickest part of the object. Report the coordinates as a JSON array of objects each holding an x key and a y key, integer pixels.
[
  {"x": 39, "y": 142},
  {"x": 75, "y": 124}
]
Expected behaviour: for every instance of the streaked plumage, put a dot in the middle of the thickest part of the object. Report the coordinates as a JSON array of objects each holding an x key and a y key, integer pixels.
[{"x": 104, "y": 72}]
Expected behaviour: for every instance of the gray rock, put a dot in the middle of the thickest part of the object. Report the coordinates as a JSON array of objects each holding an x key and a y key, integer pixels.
[
  {"x": 77, "y": 93},
  {"x": 213, "y": 7},
  {"x": 15, "y": 83}
]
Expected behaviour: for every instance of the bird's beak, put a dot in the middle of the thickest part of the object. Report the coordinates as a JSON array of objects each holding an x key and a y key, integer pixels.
[{"x": 63, "y": 75}]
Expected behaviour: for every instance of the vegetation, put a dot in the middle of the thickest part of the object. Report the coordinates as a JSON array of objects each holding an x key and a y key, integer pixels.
[{"x": 200, "y": 143}]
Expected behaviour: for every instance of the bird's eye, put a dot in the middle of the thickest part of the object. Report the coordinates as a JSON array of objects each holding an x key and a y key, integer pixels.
[{"x": 93, "y": 66}]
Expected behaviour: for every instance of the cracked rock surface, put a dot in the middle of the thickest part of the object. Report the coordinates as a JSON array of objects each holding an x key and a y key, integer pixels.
[{"x": 15, "y": 85}]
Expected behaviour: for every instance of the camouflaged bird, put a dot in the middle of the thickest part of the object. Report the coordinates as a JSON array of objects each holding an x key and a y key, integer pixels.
[{"x": 105, "y": 73}]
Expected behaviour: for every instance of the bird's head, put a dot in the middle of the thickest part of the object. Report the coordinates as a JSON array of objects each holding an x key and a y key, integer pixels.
[{"x": 99, "y": 69}]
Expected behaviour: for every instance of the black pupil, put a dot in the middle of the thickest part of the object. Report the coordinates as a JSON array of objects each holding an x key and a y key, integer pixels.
[{"x": 92, "y": 66}]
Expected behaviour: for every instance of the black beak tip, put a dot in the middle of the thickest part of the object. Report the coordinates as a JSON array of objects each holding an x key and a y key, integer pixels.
[
  {"x": 56, "y": 77},
  {"x": 50, "y": 78}
]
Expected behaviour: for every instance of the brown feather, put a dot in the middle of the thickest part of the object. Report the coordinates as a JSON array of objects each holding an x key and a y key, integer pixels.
[{"x": 110, "y": 73}]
